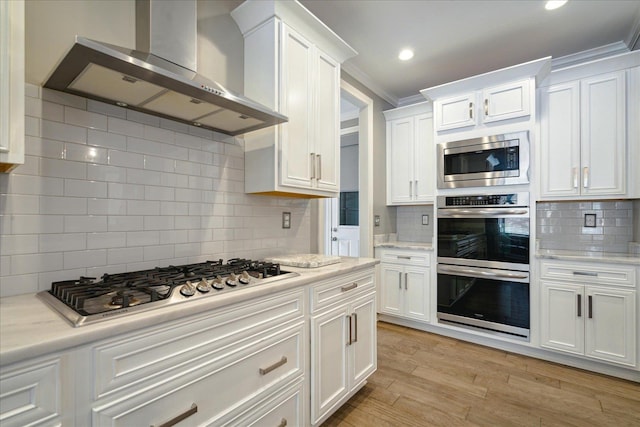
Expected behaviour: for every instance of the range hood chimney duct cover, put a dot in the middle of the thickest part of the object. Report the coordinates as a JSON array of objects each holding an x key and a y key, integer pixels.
[{"x": 159, "y": 77}]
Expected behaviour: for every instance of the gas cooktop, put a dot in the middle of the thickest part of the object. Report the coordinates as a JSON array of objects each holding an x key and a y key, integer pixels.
[{"x": 88, "y": 299}]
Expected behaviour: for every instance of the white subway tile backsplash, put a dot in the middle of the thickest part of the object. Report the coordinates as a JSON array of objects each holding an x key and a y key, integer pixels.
[
  {"x": 84, "y": 153},
  {"x": 83, "y": 188},
  {"x": 19, "y": 244},
  {"x": 105, "y": 189},
  {"x": 19, "y": 204},
  {"x": 124, "y": 127},
  {"x": 35, "y": 263},
  {"x": 127, "y": 160},
  {"x": 106, "y": 240},
  {"x": 106, "y": 140},
  {"x": 62, "y": 242},
  {"x": 63, "y": 132},
  {"x": 85, "y": 118},
  {"x": 85, "y": 223},
  {"x": 84, "y": 259}
]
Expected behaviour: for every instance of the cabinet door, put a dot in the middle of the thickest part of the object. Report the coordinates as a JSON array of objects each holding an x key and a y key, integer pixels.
[
  {"x": 560, "y": 140},
  {"x": 506, "y": 101},
  {"x": 455, "y": 112},
  {"x": 327, "y": 135},
  {"x": 603, "y": 134},
  {"x": 363, "y": 348},
  {"x": 329, "y": 345},
  {"x": 562, "y": 317},
  {"x": 400, "y": 137},
  {"x": 611, "y": 325},
  {"x": 297, "y": 162},
  {"x": 391, "y": 289},
  {"x": 416, "y": 295},
  {"x": 424, "y": 159}
]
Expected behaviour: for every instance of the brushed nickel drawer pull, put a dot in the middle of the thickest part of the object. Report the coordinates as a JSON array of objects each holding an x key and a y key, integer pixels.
[
  {"x": 471, "y": 110},
  {"x": 399, "y": 280},
  {"x": 403, "y": 257},
  {"x": 265, "y": 371},
  {"x": 355, "y": 321},
  {"x": 319, "y": 170},
  {"x": 590, "y": 307},
  {"x": 406, "y": 279},
  {"x": 313, "y": 165},
  {"x": 579, "y": 305},
  {"x": 177, "y": 419},
  {"x": 283, "y": 423},
  {"x": 349, "y": 287},
  {"x": 350, "y": 331},
  {"x": 585, "y": 273},
  {"x": 486, "y": 107}
]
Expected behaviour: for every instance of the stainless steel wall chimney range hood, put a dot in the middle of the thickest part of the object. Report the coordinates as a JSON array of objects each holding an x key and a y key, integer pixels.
[{"x": 159, "y": 77}]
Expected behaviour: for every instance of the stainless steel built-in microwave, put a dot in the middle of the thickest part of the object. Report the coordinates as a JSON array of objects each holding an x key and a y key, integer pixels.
[{"x": 480, "y": 162}]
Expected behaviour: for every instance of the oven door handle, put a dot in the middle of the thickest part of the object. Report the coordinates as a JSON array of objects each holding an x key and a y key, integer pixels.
[
  {"x": 480, "y": 213},
  {"x": 482, "y": 273}
]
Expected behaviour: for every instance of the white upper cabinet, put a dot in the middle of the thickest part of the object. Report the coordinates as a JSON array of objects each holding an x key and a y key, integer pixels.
[
  {"x": 410, "y": 155},
  {"x": 506, "y": 101},
  {"x": 500, "y": 101},
  {"x": 588, "y": 131},
  {"x": 11, "y": 84},
  {"x": 292, "y": 64}
]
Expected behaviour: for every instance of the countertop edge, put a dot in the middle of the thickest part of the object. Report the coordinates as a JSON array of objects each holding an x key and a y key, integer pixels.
[
  {"x": 624, "y": 259},
  {"x": 30, "y": 328},
  {"x": 405, "y": 245}
]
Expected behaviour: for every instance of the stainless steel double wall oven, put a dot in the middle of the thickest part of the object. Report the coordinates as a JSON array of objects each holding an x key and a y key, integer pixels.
[{"x": 483, "y": 262}]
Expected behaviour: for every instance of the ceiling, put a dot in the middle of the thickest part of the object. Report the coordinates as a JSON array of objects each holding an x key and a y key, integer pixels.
[{"x": 457, "y": 39}]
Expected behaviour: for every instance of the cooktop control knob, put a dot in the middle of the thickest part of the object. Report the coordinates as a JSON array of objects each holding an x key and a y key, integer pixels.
[
  {"x": 232, "y": 280},
  {"x": 217, "y": 283},
  {"x": 203, "y": 286},
  {"x": 188, "y": 290},
  {"x": 244, "y": 278}
]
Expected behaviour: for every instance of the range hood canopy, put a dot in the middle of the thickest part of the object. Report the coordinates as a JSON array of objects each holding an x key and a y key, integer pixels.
[{"x": 146, "y": 82}]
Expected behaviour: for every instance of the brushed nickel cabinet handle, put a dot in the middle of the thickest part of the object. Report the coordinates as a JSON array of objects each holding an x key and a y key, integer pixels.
[
  {"x": 319, "y": 171},
  {"x": 399, "y": 280},
  {"x": 415, "y": 191},
  {"x": 585, "y": 177},
  {"x": 411, "y": 189},
  {"x": 590, "y": 307},
  {"x": 585, "y": 273},
  {"x": 406, "y": 279},
  {"x": 355, "y": 322},
  {"x": 579, "y": 305},
  {"x": 471, "y": 110},
  {"x": 283, "y": 423},
  {"x": 313, "y": 165},
  {"x": 350, "y": 338},
  {"x": 175, "y": 420},
  {"x": 403, "y": 257},
  {"x": 265, "y": 371},
  {"x": 486, "y": 107},
  {"x": 575, "y": 177},
  {"x": 349, "y": 287}
]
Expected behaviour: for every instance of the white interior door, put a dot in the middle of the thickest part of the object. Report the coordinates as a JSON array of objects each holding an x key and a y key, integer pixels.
[{"x": 345, "y": 239}]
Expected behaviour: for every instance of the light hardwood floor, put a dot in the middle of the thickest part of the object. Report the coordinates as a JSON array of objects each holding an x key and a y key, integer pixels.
[{"x": 425, "y": 379}]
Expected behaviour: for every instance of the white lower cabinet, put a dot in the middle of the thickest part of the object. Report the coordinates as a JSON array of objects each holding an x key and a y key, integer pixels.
[
  {"x": 208, "y": 370},
  {"x": 404, "y": 283},
  {"x": 343, "y": 342},
  {"x": 37, "y": 393},
  {"x": 583, "y": 313}
]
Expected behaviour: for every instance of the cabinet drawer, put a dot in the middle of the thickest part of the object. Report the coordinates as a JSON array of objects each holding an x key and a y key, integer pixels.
[
  {"x": 219, "y": 388},
  {"x": 31, "y": 394},
  {"x": 337, "y": 290},
  {"x": 419, "y": 258},
  {"x": 137, "y": 360},
  {"x": 285, "y": 408},
  {"x": 589, "y": 273}
]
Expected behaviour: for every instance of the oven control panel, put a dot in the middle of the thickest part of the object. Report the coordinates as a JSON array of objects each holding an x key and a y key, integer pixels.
[{"x": 514, "y": 199}]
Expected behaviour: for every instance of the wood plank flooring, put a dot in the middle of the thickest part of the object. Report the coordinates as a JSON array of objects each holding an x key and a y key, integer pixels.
[{"x": 425, "y": 379}]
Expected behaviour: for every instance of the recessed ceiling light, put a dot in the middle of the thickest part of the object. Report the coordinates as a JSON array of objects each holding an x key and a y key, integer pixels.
[
  {"x": 405, "y": 54},
  {"x": 554, "y": 4}
]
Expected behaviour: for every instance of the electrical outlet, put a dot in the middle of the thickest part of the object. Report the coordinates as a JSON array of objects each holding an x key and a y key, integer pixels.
[
  {"x": 286, "y": 219},
  {"x": 425, "y": 219},
  {"x": 589, "y": 220},
  {"x": 376, "y": 220}
]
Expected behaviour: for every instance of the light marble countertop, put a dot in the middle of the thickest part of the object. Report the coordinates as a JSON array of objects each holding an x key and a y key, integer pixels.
[
  {"x": 406, "y": 245},
  {"x": 304, "y": 260},
  {"x": 613, "y": 258},
  {"x": 30, "y": 328}
]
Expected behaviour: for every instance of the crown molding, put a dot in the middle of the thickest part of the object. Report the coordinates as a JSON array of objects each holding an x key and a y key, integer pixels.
[
  {"x": 589, "y": 55},
  {"x": 364, "y": 78},
  {"x": 633, "y": 39}
]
